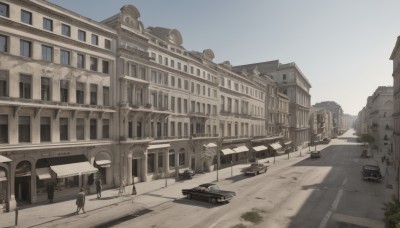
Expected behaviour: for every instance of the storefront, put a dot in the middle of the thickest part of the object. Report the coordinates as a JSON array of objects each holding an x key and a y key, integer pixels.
[
  {"x": 276, "y": 149},
  {"x": 260, "y": 152},
  {"x": 4, "y": 187}
]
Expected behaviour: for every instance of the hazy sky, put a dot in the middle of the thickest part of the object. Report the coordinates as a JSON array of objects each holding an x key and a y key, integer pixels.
[{"x": 343, "y": 47}]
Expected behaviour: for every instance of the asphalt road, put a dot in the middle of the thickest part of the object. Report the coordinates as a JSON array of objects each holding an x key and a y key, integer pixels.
[{"x": 296, "y": 192}]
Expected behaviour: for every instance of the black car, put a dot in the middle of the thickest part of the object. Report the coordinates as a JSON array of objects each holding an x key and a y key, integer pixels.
[
  {"x": 187, "y": 174},
  {"x": 209, "y": 192},
  {"x": 315, "y": 154},
  {"x": 371, "y": 172},
  {"x": 326, "y": 141}
]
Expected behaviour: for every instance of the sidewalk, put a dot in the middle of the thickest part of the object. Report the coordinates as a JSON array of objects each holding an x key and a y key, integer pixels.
[{"x": 41, "y": 214}]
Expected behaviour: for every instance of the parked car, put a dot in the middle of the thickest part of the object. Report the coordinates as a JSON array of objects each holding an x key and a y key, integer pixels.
[
  {"x": 326, "y": 141},
  {"x": 187, "y": 174},
  {"x": 255, "y": 169},
  {"x": 371, "y": 172},
  {"x": 209, "y": 192},
  {"x": 315, "y": 154}
]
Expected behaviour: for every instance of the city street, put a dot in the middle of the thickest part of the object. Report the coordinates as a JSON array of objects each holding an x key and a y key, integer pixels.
[{"x": 299, "y": 192}]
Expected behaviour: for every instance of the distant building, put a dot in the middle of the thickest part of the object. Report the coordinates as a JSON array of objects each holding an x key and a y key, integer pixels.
[{"x": 337, "y": 114}]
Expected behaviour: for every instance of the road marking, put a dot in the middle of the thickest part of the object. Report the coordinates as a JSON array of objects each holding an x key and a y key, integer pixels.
[
  {"x": 335, "y": 204},
  {"x": 337, "y": 199},
  {"x": 325, "y": 219},
  {"x": 358, "y": 220}
]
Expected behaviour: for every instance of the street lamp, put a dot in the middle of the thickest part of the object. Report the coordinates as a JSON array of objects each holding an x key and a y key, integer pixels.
[{"x": 218, "y": 154}]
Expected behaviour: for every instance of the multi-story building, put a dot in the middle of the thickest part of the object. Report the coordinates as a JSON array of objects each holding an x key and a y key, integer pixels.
[
  {"x": 337, "y": 114},
  {"x": 56, "y": 102},
  {"x": 395, "y": 57},
  {"x": 293, "y": 83},
  {"x": 284, "y": 119},
  {"x": 380, "y": 107}
]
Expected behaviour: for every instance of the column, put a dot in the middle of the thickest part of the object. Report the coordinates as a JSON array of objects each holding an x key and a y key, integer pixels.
[
  {"x": 144, "y": 167},
  {"x": 123, "y": 92},
  {"x": 166, "y": 162},
  {"x": 129, "y": 168}
]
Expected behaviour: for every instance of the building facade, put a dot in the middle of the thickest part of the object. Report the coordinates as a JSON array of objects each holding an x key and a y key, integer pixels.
[
  {"x": 337, "y": 113},
  {"x": 56, "y": 107}
]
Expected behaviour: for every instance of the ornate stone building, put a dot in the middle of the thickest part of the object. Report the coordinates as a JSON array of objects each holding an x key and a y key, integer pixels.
[{"x": 337, "y": 114}]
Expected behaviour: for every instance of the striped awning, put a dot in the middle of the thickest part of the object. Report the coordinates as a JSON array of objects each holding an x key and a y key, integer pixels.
[
  {"x": 227, "y": 151},
  {"x": 241, "y": 149},
  {"x": 73, "y": 169},
  {"x": 43, "y": 173},
  {"x": 159, "y": 146},
  {"x": 260, "y": 148}
]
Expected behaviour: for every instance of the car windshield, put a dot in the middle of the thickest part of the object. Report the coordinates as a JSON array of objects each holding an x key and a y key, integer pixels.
[{"x": 214, "y": 188}]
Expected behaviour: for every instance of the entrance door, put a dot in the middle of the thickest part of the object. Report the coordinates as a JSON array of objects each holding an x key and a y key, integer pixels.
[
  {"x": 193, "y": 165},
  {"x": 135, "y": 166},
  {"x": 23, "y": 189}
]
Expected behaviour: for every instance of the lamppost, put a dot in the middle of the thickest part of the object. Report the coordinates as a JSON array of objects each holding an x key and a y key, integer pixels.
[{"x": 218, "y": 154}]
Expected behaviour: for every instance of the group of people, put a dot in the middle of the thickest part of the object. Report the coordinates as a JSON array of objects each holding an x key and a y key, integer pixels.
[{"x": 81, "y": 197}]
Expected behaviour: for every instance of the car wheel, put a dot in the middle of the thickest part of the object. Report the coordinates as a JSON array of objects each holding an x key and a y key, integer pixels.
[
  {"x": 188, "y": 196},
  {"x": 213, "y": 201}
]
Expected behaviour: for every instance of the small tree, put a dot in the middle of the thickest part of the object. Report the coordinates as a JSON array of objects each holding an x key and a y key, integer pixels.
[{"x": 367, "y": 138}]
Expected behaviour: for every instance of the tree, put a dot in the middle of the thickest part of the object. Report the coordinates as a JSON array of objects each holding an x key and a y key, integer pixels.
[{"x": 367, "y": 138}]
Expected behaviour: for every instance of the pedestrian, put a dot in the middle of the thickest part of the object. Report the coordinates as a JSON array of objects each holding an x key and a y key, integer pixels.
[
  {"x": 121, "y": 188},
  {"x": 98, "y": 188},
  {"x": 133, "y": 189},
  {"x": 80, "y": 201},
  {"x": 50, "y": 192}
]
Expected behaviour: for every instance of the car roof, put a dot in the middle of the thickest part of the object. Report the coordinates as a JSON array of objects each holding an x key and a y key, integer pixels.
[{"x": 207, "y": 185}]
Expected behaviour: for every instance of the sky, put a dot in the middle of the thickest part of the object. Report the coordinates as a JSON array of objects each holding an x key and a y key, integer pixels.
[{"x": 342, "y": 47}]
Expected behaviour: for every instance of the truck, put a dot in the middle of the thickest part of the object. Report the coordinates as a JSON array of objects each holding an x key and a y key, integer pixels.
[{"x": 255, "y": 169}]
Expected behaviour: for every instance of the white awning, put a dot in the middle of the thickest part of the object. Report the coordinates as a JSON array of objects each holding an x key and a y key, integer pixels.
[
  {"x": 227, "y": 151},
  {"x": 289, "y": 142},
  {"x": 275, "y": 146},
  {"x": 260, "y": 148},
  {"x": 211, "y": 145},
  {"x": 159, "y": 146},
  {"x": 103, "y": 163},
  {"x": 4, "y": 159},
  {"x": 241, "y": 149},
  {"x": 73, "y": 169},
  {"x": 43, "y": 173}
]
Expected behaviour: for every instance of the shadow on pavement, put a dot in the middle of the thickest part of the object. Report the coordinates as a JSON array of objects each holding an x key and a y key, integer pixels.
[
  {"x": 237, "y": 178},
  {"x": 104, "y": 198},
  {"x": 195, "y": 202}
]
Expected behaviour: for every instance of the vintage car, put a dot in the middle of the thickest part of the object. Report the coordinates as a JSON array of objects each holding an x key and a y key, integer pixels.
[
  {"x": 209, "y": 192},
  {"x": 315, "y": 154},
  {"x": 326, "y": 141},
  {"x": 255, "y": 169},
  {"x": 371, "y": 172},
  {"x": 187, "y": 174}
]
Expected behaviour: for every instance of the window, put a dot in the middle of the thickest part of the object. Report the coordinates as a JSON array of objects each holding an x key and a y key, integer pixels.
[
  {"x": 284, "y": 77},
  {"x": 4, "y": 10},
  {"x": 171, "y": 155},
  {"x": 65, "y": 30},
  {"x": 172, "y": 128},
  {"x": 26, "y": 17},
  {"x": 3, "y": 83},
  {"x": 80, "y": 128},
  {"x": 81, "y": 61},
  {"x": 222, "y": 103},
  {"x": 95, "y": 40},
  {"x": 45, "y": 89},
  {"x": 93, "y": 129},
  {"x": 198, "y": 89},
  {"x": 47, "y": 24},
  {"x": 65, "y": 57},
  {"x": 179, "y": 104},
  {"x": 93, "y": 64},
  {"x": 93, "y": 94},
  {"x": 106, "y": 128},
  {"x": 82, "y": 35},
  {"x": 179, "y": 83},
  {"x": 139, "y": 129},
  {"x": 47, "y": 53},
  {"x": 24, "y": 129},
  {"x": 150, "y": 163},
  {"x": 25, "y": 48},
  {"x": 45, "y": 130},
  {"x": 166, "y": 61},
  {"x": 106, "y": 95},
  {"x": 80, "y": 93},
  {"x": 173, "y": 104},
  {"x": 130, "y": 129},
  {"x": 186, "y": 85},
  {"x": 25, "y": 86},
  {"x": 63, "y": 129},
  {"x": 3, "y": 129},
  {"x": 172, "y": 81},
  {"x": 181, "y": 158},
  {"x": 3, "y": 43},
  {"x": 185, "y": 68},
  {"x": 191, "y": 70},
  {"x": 107, "y": 44},
  {"x": 179, "y": 66},
  {"x": 185, "y": 105},
  {"x": 105, "y": 67},
  {"x": 172, "y": 63},
  {"x": 64, "y": 90},
  {"x": 198, "y": 72}
]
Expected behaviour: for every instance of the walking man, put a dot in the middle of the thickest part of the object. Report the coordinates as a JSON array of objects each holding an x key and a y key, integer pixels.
[
  {"x": 121, "y": 188},
  {"x": 80, "y": 201},
  {"x": 98, "y": 188}
]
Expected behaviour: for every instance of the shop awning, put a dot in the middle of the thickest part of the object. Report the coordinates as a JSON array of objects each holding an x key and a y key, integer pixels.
[
  {"x": 275, "y": 146},
  {"x": 227, "y": 151},
  {"x": 3, "y": 176},
  {"x": 73, "y": 169},
  {"x": 43, "y": 173},
  {"x": 4, "y": 159},
  {"x": 211, "y": 145},
  {"x": 103, "y": 163},
  {"x": 287, "y": 143},
  {"x": 241, "y": 149},
  {"x": 260, "y": 148},
  {"x": 159, "y": 146}
]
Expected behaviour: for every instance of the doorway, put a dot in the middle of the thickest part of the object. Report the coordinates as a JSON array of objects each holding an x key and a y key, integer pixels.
[{"x": 22, "y": 187}]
